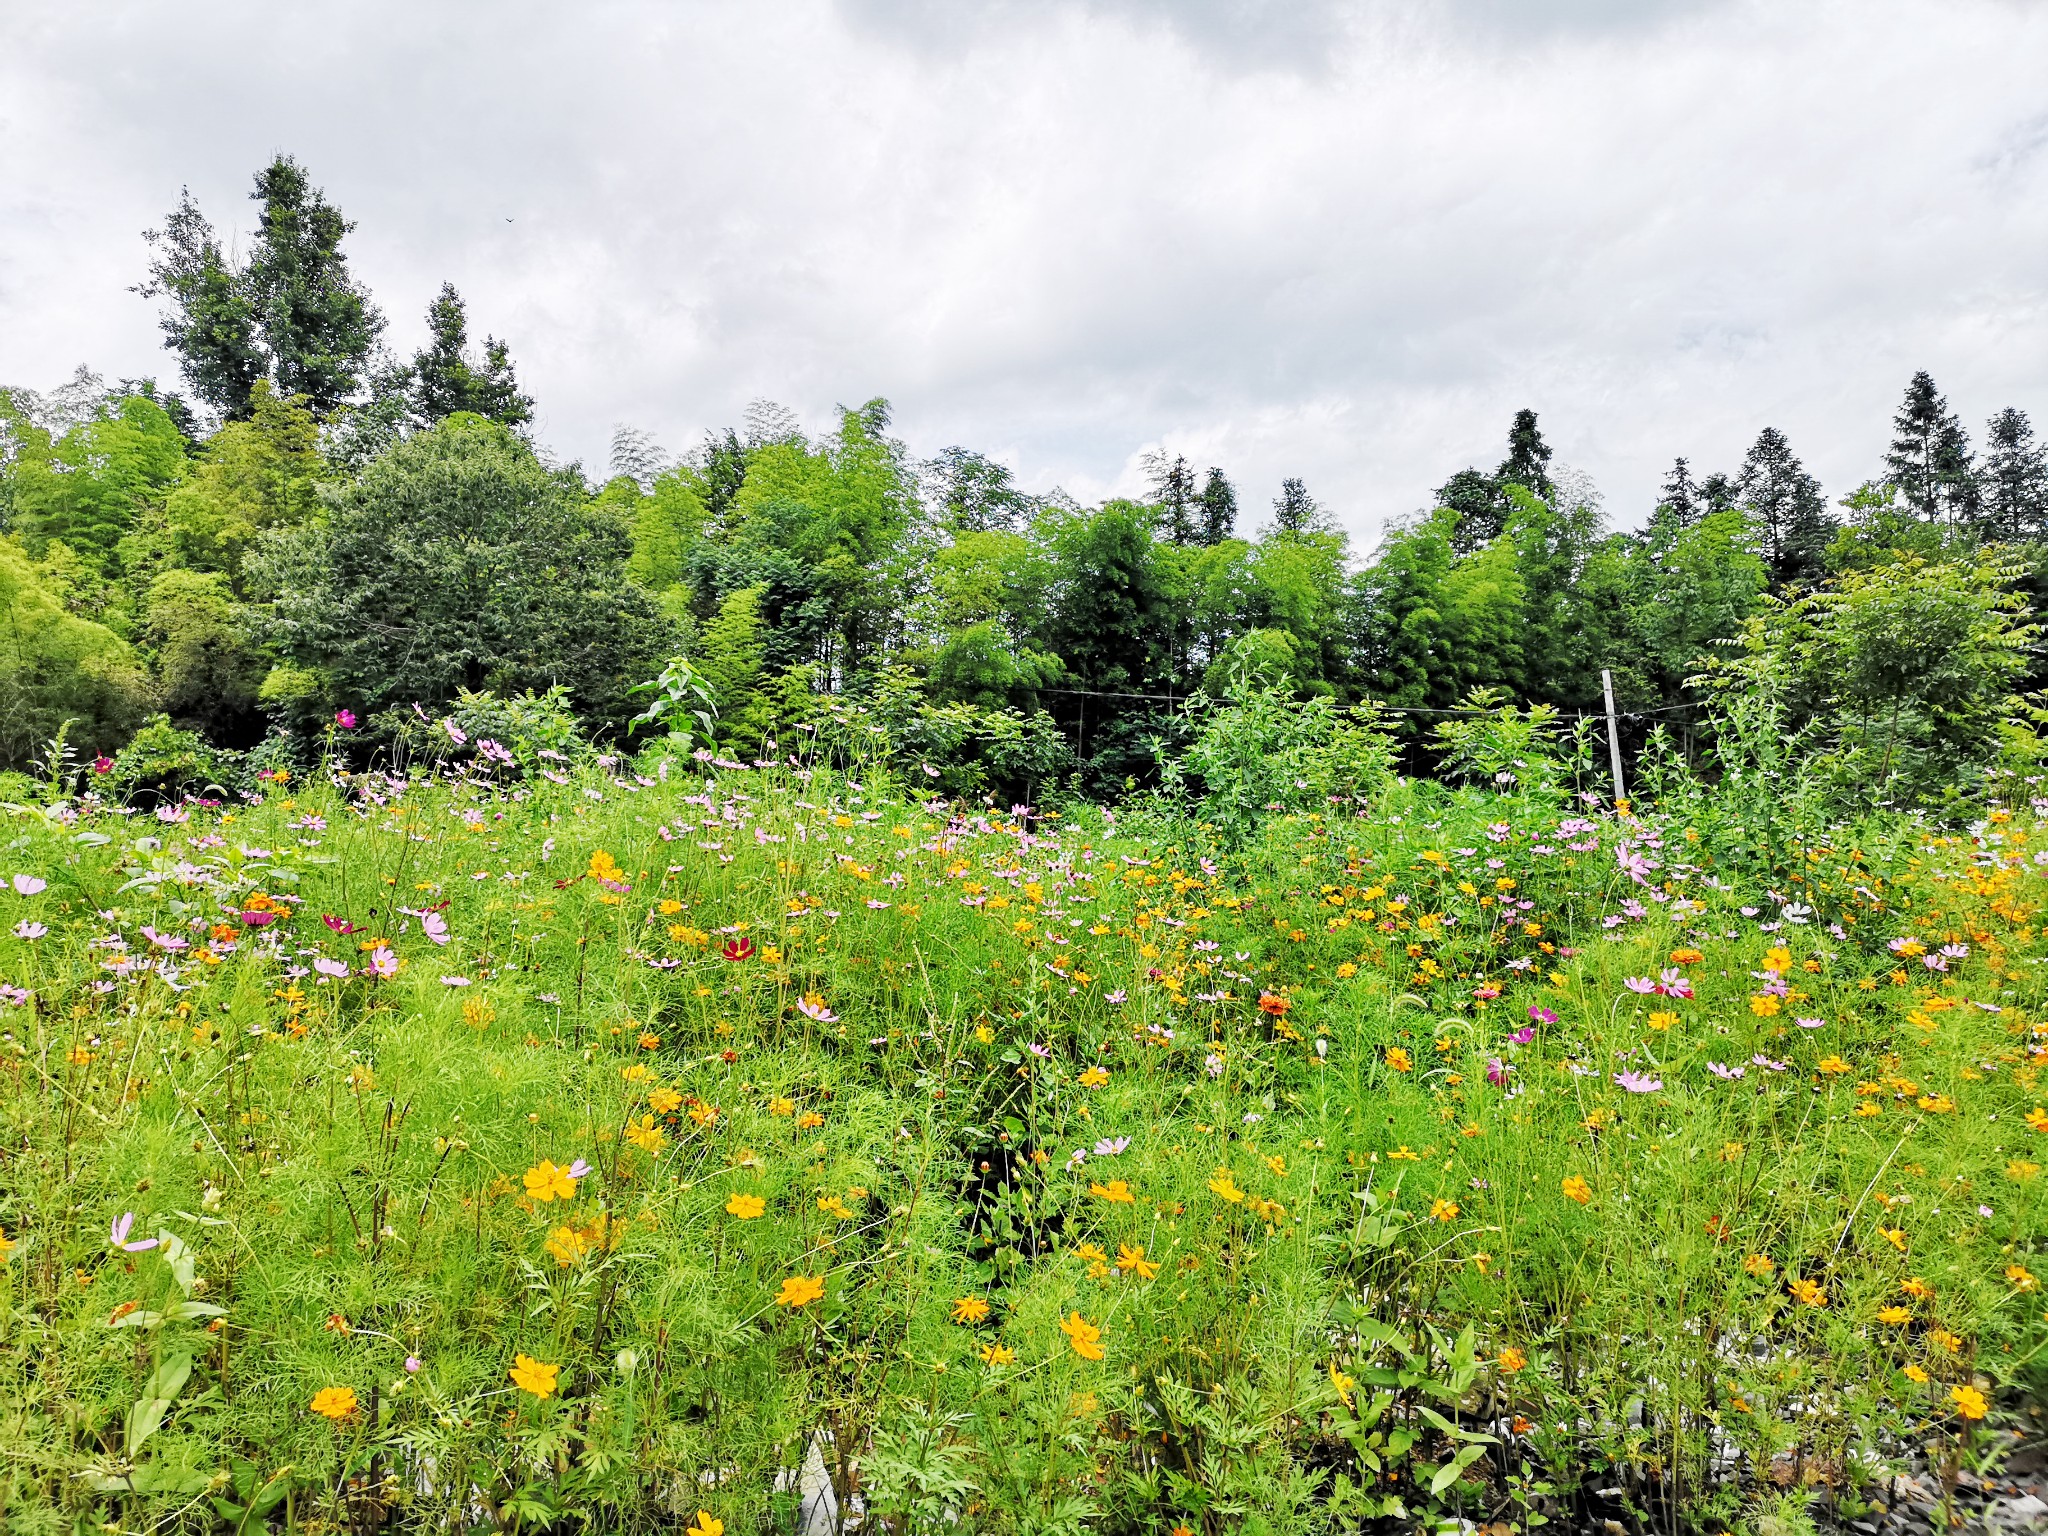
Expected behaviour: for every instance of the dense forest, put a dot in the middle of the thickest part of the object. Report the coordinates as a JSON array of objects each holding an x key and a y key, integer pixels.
[{"x": 314, "y": 537}]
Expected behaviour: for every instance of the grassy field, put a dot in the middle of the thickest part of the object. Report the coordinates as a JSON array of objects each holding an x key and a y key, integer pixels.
[{"x": 456, "y": 1154}]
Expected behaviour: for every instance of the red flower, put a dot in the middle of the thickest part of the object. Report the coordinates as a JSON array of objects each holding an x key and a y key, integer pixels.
[
  {"x": 258, "y": 919},
  {"x": 738, "y": 949},
  {"x": 339, "y": 925},
  {"x": 103, "y": 764}
]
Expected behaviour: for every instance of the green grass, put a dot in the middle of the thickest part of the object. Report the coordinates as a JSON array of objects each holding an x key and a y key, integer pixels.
[{"x": 1369, "y": 1256}]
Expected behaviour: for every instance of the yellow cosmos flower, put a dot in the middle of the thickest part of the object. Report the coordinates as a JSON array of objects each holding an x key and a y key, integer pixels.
[
  {"x": 745, "y": 1207},
  {"x": 1094, "y": 1077},
  {"x": 1225, "y": 1186},
  {"x": 1512, "y": 1360},
  {"x": 1443, "y": 1210},
  {"x": 706, "y": 1526},
  {"x": 1808, "y": 1291},
  {"x": 1915, "y": 1373},
  {"x": 664, "y": 1101},
  {"x": 530, "y": 1375},
  {"x": 1895, "y": 1316},
  {"x": 1969, "y": 1402},
  {"x": 335, "y": 1403},
  {"x": 2020, "y": 1277},
  {"x": 800, "y": 1291},
  {"x": 1116, "y": 1192},
  {"x": 546, "y": 1182},
  {"x": 1397, "y": 1059},
  {"x": 1576, "y": 1188},
  {"x": 1132, "y": 1261},
  {"x": 1759, "y": 1266},
  {"x": 1083, "y": 1335},
  {"x": 998, "y": 1354},
  {"x": 1343, "y": 1383},
  {"x": 969, "y": 1309}
]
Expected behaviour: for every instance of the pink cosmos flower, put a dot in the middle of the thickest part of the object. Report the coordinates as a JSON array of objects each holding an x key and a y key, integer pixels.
[
  {"x": 327, "y": 967},
  {"x": 434, "y": 926},
  {"x": 29, "y": 885},
  {"x": 1638, "y": 1082},
  {"x": 383, "y": 963},
  {"x": 345, "y": 719},
  {"x": 117, "y": 1235}
]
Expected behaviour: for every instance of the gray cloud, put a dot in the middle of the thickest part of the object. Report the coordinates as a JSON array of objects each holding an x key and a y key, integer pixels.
[{"x": 1338, "y": 241}]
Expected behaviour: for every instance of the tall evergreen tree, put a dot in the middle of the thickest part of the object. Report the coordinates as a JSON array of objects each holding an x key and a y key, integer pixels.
[
  {"x": 1929, "y": 459},
  {"x": 318, "y": 322},
  {"x": 1219, "y": 507},
  {"x": 211, "y": 321},
  {"x": 1482, "y": 501},
  {"x": 1173, "y": 492},
  {"x": 2014, "y": 480},
  {"x": 1295, "y": 511},
  {"x": 1678, "y": 505},
  {"x": 1718, "y": 494},
  {"x": 446, "y": 377},
  {"x": 292, "y": 313},
  {"x": 1787, "y": 506},
  {"x": 1528, "y": 460}
]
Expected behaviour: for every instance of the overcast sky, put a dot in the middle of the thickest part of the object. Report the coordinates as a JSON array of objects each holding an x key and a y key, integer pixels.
[{"x": 1344, "y": 242}]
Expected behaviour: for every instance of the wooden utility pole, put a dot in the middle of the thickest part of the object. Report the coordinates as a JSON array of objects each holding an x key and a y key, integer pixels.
[{"x": 1613, "y": 736}]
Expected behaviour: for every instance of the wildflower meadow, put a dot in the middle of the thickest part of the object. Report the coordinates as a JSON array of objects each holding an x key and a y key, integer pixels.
[{"x": 601, "y": 1141}]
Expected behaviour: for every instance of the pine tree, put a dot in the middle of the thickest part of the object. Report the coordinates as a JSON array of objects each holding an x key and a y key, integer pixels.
[
  {"x": 1929, "y": 459},
  {"x": 291, "y": 314},
  {"x": 1787, "y": 506},
  {"x": 1528, "y": 460},
  {"x": 445, "y": 379},
  {"x": 1219, "y": 507},
  {"x": 1678, "y": 506},
  {"x": 1717, "y": 494},
  {"x": 1295, "y": 511},
  {"x": 2014, "y": 480},
  {"x": 1173, "y": 492}
]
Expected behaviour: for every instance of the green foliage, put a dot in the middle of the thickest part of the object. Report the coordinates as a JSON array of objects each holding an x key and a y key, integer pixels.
[
  {"x": 56, "y": 667},
  {"x": 531, "y": 726},
  {"x": 1259, "y": 752},
  {"x": 162, "y": 761},
  {"x": 459, "y": 562},
  {"x": 209, "y": 667},
  {"x": 252, "y": 476},
  {"x": 1500, "y": 745},
  {"x": 89, "y": 487}
]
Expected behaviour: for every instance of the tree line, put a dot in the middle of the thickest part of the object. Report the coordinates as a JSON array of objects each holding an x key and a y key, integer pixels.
[{"x": 312, "y": 524}]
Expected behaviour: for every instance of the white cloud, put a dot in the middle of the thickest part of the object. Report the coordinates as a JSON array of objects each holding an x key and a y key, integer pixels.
[{"x": 1337, "y": 241}]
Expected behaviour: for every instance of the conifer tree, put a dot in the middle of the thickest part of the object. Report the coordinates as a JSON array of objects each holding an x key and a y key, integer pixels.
[
  {"x": 1787, "y": 506},
  {"x": 1528, "y": 460},
  {"x": 1295, "y": 511},
  {"x": 445, "y": 377},
  {"x": 2014, "y": 480},
  {"x": 1173, "y": 492},
  {"x": 1219, "y": 507},
  {"x": 1678, "y": 507},
  {"x": 1929, "y": 459},
  {"x": 291, "y": 313}
]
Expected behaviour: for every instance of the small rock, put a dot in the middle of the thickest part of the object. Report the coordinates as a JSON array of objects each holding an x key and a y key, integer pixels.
[{"x": 2028, "y": 1508}]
